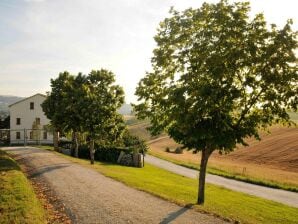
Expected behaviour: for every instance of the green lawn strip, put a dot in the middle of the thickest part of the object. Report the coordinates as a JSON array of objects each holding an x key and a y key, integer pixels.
[
  {"x": 183, "y": 191},
  {"x": 18, "y": 202},
  {"x": 235, "y": 176}
]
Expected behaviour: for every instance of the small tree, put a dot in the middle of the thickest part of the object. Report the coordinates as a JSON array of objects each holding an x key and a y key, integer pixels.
[
  {"x": 99, "y": 101},
  {"x": 218, "y": 77}
]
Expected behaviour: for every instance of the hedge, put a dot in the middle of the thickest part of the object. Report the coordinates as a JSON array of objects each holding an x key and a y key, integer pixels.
[{"x": 103, "y": 153}]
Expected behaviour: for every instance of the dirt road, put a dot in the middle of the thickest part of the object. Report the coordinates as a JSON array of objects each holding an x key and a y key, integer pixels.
[
  {"x": 90, "y": 197},
  {"x": 285, "y": 197}
]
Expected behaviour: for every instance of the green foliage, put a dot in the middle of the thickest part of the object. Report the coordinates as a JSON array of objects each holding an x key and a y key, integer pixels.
[
  {"x": 103, "y": 153},
  {"x": 56, "y": 105},
  {"x": 5, "y": 123},
  {"x": 219, "y": 77},
  {"x": 99, "y": 101},
  {"x": 179, "y": 150},
  {"x": 86, "y": 104},
  {"x": 129, "y": 140}
]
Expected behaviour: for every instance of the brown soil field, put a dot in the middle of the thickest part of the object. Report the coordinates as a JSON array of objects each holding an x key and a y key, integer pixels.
[
  {"x": 274, "y": 158},
  {"x": 140, "y": 130}
]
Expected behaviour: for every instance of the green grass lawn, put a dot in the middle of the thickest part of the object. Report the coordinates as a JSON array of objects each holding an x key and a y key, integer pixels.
[
  {"x": 18, "y": 202},
  {"x": 230, "y": 175},
  {"x": 183, "y": 191}
]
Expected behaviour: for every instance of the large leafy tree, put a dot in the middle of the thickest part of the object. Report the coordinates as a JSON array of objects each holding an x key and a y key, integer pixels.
[
  {"x": 73, "y": 101},
  {"x": 99, "y": 101},
  {"x": 62, "y": 107},
  {"x": 55, "y": 104},
  {"x": 218, "y": 77}
]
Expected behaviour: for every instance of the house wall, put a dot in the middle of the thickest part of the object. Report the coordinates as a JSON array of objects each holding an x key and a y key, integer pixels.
[{"x": 22, "y": 110}]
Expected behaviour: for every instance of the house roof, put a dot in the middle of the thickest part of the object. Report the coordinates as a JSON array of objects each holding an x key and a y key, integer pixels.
[{"x": 28, "y": 98}]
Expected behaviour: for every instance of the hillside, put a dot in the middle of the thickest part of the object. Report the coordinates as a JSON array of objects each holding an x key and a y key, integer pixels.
[
  {"x": 140, "y": 129},
  {"x": 274, "y": 159},
  {"x": 5, "y": 101},
  {"x": 125, "y": 109},
  {"x": 278, "y": 149}
]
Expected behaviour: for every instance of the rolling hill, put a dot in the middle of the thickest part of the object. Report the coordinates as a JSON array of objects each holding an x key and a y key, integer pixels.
[
  {"x": 5, "y": 101},
  {"x": 278, "y": 149}
]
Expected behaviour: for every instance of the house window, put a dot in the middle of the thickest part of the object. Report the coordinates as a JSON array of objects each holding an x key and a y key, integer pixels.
[
  {"x": 31, "y": 135},
  {"x": 31, "y": 105},
  {"x": 18, "y": 121},
  {"x": 18, "y": 135},
  {"x": 45, "y": 135},
  {"x": 37, "y": 121}
]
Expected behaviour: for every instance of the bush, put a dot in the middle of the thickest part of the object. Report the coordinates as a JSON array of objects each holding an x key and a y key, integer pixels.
[
  {"x": 178, "y": 150},
  {"x": 167, "y": 149},
  {"x": 66, "y": 144},
  {"x": 134, "y": 142},
  {"x": 103, "y": 153}
]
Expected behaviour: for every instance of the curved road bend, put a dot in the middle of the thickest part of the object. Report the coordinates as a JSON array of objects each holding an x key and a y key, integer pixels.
[
  {"x": 282, "y": 196},
  {"x": 90, "y": 197}
]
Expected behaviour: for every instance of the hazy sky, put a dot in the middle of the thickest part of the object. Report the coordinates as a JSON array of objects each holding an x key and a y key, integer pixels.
[{"x": 40, "y": 38}]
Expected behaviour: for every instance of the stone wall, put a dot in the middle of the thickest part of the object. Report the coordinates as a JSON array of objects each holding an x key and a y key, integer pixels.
[{"x": 130, "y": 159}]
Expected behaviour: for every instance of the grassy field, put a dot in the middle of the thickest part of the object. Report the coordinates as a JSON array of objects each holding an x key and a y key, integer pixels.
[
  {"x": 18, "y": 202},
  {"x": 183, "y": 191},
  {"x": 270, "y": 162},
  {"x": 253, "y": 174}
]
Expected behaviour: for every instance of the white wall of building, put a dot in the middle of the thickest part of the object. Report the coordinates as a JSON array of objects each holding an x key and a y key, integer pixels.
[{"x": 27, "y": 117}]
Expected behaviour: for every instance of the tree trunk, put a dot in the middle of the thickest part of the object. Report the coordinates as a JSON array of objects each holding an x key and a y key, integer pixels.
[
  {"x": 75, "y": 145},
  {"x": 72, "y": 144},
  {"x": 56, "y": 140},
  {"x": 92, "y": 151},
  {"x": 76, "y": 149},
  {"x": 204, "y": 160}
]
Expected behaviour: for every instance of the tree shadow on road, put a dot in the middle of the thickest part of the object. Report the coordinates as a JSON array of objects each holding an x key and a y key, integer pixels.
[
  {"x": 39, "y": 171},
  {"x": 174, "y": 215}
]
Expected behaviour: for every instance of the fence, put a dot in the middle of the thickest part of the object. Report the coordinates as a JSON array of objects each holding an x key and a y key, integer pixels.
[{"x": 25, "y": 137}]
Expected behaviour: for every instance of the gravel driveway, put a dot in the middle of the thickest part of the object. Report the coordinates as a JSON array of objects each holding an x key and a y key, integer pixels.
[{"x": 89, "y": 197}]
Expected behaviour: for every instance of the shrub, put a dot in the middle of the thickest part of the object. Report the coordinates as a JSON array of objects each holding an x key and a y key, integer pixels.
[
  {"x": 103, "y": 153},
  {"x": 64, "y": 143},
  {"x": 135, "y": 142},
  {"x": 167, "y": 149},
  {"x": 178, "y": 150}
]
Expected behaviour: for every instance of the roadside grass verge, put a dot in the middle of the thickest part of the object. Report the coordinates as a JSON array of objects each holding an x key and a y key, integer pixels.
[
  {"x": 183, "y": 191},
  {"x": 18, "y": 202},
  {"x": 230, "y": 175}
]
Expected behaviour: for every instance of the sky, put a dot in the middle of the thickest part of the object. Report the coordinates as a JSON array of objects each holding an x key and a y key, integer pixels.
[{"x": 40, "y": 38}]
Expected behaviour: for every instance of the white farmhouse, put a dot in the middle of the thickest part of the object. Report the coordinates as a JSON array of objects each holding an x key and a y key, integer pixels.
[{"x": 28, "y": 121}]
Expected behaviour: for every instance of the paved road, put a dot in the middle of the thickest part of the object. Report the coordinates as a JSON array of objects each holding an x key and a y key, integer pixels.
[
  {"x": 282, "y": 196},
  {"x": 90, "y": 197}
]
